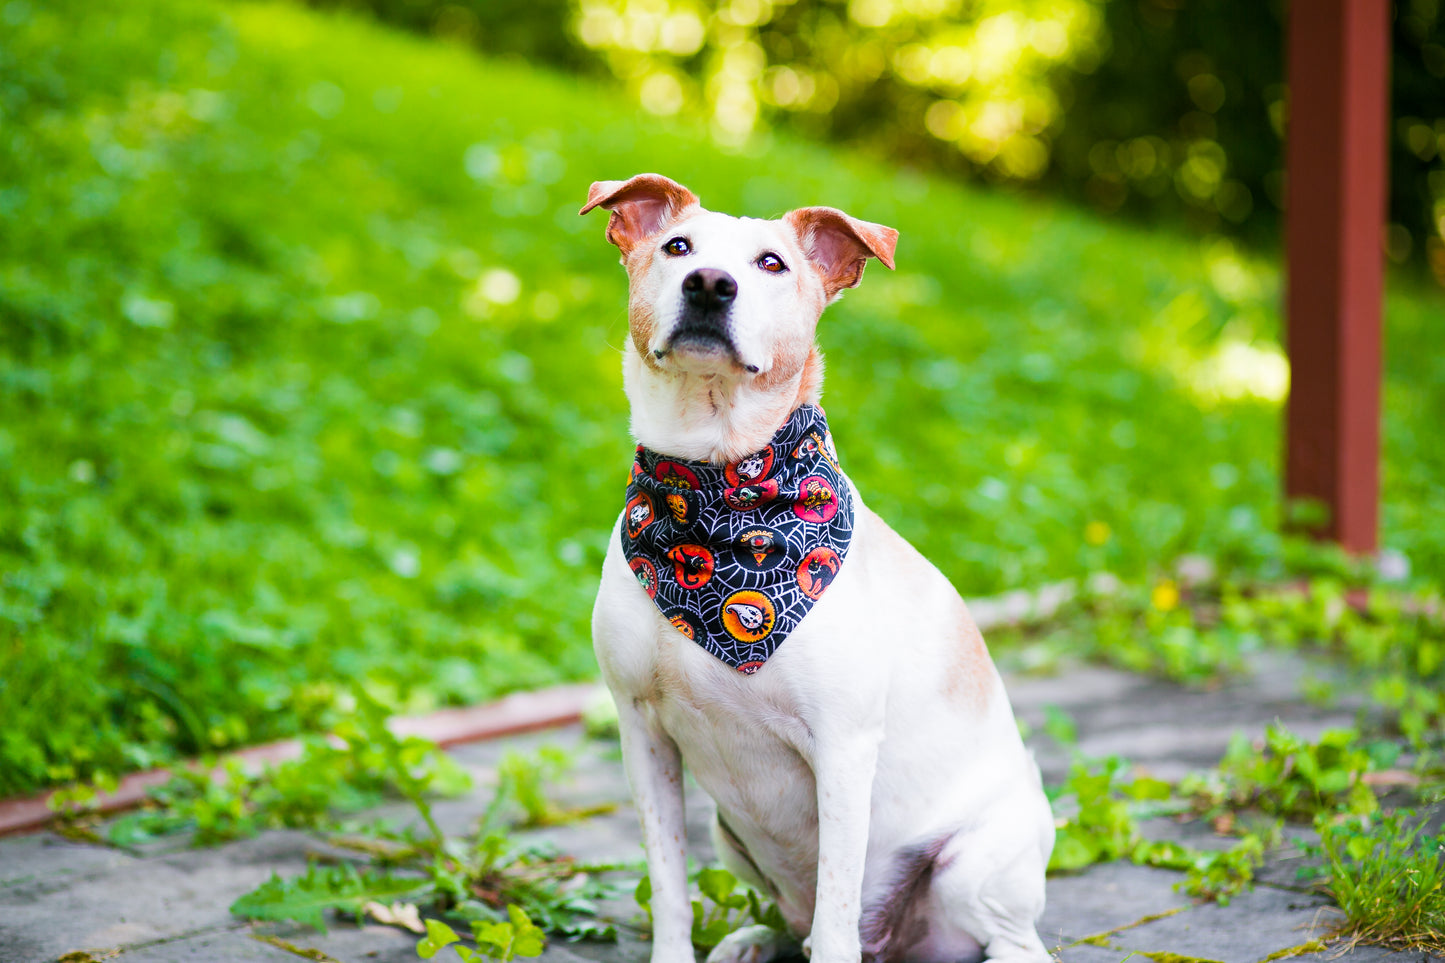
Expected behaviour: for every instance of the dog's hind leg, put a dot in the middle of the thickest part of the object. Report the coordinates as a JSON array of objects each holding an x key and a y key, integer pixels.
[
  {"x": 988, "y": 884},
  {"x": 734, "y": 855},
  {"x": 747, "y": 944}
]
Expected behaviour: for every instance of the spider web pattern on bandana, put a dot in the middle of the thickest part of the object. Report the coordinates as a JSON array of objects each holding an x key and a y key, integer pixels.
[{"x": 735, "y": 555}]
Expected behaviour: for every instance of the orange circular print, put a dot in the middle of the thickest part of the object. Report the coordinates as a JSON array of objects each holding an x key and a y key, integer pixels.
[
  {"x": 818, "y": 570},
  {"x": 685, "y": 624},
  {"x": 748, "y": 616},
  {"x": 646, "y": 575},
  {"x": 691, "y": 564},
  {"x": 817, "y": 502},
  {"x": 640, "y": 514}
]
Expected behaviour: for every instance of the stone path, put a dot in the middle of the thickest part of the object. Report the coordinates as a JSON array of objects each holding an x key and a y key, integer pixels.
[{"x": 169, "y": 903}]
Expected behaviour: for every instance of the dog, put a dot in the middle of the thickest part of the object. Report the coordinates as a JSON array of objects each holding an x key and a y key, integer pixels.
[{"x": 844, "y": 715}]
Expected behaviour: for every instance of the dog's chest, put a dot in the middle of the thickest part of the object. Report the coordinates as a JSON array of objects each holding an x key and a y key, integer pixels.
[{"x": 741, "y": 736}]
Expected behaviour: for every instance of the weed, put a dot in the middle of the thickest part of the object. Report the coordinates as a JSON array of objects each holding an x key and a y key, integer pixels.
[
  {"x": 500, "y": 940},
  {"x": 1289, "y": 777},
  {"x": 523, "y": 779},
  {"x": 1218, "y": 875},
  {"x": 1104, "y": 826},
  {"x": 511, "y": 894},
  {"x": 1395, "y": 638},
  {"x": 224, "y": 801},
  {"x": 306, "y": 898},
  {"x": 723, "y": 905},
  {"x": 1392, "y": 639},
  {"x": 1388, "y": 877}
]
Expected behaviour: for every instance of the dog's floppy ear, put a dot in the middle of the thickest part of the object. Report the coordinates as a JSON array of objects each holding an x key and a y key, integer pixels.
[
  {"x": 840, "y": 245},
  {"x": 641, "y": 206}
]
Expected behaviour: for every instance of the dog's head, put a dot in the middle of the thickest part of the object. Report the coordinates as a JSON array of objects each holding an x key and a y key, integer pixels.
[{"x": 736, "y": 297}]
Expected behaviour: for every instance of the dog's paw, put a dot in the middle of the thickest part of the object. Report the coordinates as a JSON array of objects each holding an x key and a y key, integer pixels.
[{"x": 753, "y": 944}]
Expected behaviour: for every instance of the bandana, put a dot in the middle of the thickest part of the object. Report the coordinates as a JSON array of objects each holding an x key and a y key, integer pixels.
[{"x": 735, "y": 555}]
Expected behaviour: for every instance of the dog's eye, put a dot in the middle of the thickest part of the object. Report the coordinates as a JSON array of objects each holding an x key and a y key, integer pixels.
[
  {"x": 677, "y": 247},
  {"x": 771, "y": 263}
]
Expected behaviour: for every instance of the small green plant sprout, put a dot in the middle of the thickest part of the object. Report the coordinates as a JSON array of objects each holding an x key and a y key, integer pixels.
[
  {"x": 1388, "y": 877},
  {"x": 1102, "y": 826},
  {"x": 1219, "y": 875},
  {"x": 1289, "y": 777},
  {"x": 500, "y": 940},
  {"x": 306, "y": 898},
  {"x": 710, "y": 924},
  {"x": 82, "y": 798},
  {"x": 360, "y": 767},
  {"x": 522, "y": 781},
  {"x": 1060, "y": 727},
  {"x": 724, "y": 904},
  {"x": 77, "y": 807}
]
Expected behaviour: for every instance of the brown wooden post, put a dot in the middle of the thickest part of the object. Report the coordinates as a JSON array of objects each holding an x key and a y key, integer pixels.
[{"x": 1339, "y": 53}]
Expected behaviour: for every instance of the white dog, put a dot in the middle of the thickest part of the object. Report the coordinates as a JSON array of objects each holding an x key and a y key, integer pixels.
[{"x": 824, "y": 683}]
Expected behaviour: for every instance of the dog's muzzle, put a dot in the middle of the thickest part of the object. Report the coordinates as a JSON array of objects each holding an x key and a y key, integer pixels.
[{"x": 707, "y": 296}]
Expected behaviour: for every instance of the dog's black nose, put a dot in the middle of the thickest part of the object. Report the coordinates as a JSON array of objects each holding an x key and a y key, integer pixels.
[{"x": 708, "y": 288}]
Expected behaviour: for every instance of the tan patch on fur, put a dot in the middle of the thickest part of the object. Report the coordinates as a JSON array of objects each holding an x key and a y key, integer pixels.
[
  {"x": 966, "y": 672},
  {"x": 810, "y": 386},
  {"x": 641, "y": 325}
]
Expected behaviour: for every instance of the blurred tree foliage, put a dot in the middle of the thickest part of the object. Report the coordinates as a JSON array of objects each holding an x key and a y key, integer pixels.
[
  {"x": 1150, "y": 107},
  {"x": 1186, "y": 114}
]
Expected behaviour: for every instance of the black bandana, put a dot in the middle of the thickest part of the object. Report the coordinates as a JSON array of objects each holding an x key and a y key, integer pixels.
[{"x": 736, "y": 555}]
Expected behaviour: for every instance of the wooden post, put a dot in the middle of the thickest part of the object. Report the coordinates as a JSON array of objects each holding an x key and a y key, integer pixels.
[{"x": 1339, "y": 52}]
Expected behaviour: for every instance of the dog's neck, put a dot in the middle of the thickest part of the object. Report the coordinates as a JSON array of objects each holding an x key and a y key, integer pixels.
[{"x": 713, "y": 418}]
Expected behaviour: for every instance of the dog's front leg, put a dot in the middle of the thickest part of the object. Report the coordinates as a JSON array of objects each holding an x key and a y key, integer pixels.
[
  {"x": 654, "y": 770},
  {"x": 843, "y": 768}
]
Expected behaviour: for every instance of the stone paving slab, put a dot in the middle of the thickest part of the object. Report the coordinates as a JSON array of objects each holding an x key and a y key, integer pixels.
[
  {"x": 1169, "y": 729},
  {"x": 1251, "y": 927},
  {"x": 231, "y": 945},
  {"x": 31, "y": 860},
  {"x": 142, "y": 900},
  {"x": 170, "y": 902},
  {"x": 1105, "y": 898}
]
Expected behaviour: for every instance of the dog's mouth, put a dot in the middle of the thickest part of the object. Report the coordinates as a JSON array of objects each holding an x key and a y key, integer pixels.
[{"x": 704, "y": 338}]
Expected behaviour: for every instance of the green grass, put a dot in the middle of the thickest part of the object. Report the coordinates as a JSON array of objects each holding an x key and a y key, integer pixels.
[
  {"x": 309, "y": 375},
  {"x": 1389, "y": 880}
]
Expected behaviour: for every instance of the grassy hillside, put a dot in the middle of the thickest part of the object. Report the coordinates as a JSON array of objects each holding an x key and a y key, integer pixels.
[{"x": 309, "y": 375}]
